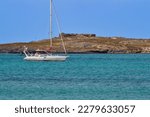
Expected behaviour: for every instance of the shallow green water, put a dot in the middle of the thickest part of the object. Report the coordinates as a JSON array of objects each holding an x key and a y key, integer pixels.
[{"x": 82, "y": 76}]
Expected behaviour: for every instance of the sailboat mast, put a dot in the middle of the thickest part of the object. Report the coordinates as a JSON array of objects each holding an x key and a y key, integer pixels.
[
  {"x": 51, "y": 8},
  {"x": 51, "y": 31}
]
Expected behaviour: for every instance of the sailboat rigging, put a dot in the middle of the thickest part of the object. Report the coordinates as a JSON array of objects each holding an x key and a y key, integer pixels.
[{"x": 44, "y": 55}]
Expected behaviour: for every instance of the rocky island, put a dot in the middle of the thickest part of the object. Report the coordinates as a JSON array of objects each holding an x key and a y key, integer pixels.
[{"x": 83, "y": 43}]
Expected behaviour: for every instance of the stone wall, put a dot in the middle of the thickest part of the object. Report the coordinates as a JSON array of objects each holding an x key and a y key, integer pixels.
[{"x": 77, "y": 35}]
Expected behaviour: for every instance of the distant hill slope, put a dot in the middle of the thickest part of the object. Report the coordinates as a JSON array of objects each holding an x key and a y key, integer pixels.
[{"x": 84, "y": 43}]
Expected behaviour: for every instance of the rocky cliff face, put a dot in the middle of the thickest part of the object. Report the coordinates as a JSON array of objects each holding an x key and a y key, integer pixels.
[{"x": 84, "y": 43}]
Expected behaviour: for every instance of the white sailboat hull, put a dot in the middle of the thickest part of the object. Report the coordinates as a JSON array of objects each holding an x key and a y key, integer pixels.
[{"x": 46, "y": 58}]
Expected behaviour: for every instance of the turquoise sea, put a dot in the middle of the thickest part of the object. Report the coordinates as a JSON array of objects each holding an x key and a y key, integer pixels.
[{"x": 82, "y": 76}]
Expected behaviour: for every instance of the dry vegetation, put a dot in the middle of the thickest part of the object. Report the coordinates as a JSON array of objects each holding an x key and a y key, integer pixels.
[{"x": 80, "y": 43}]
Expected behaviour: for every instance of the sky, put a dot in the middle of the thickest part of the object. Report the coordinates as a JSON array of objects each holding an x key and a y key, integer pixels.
[{"x": 28, "y": 20}]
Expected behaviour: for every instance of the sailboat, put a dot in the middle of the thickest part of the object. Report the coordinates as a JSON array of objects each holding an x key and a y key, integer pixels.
[{"x": 42, "y": 55}]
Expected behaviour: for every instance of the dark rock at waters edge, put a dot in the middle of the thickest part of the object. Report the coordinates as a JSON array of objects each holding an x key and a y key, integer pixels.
[{"x": 83, "y": 43}]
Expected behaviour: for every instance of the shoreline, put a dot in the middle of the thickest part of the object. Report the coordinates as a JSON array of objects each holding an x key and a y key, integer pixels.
[
  {"x": 83, "y": 44},
  {"x": 77, "y": 53}
]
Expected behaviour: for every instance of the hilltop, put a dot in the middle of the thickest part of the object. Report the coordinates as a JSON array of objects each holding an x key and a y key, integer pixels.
[{"x": 84, "y": 43}]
